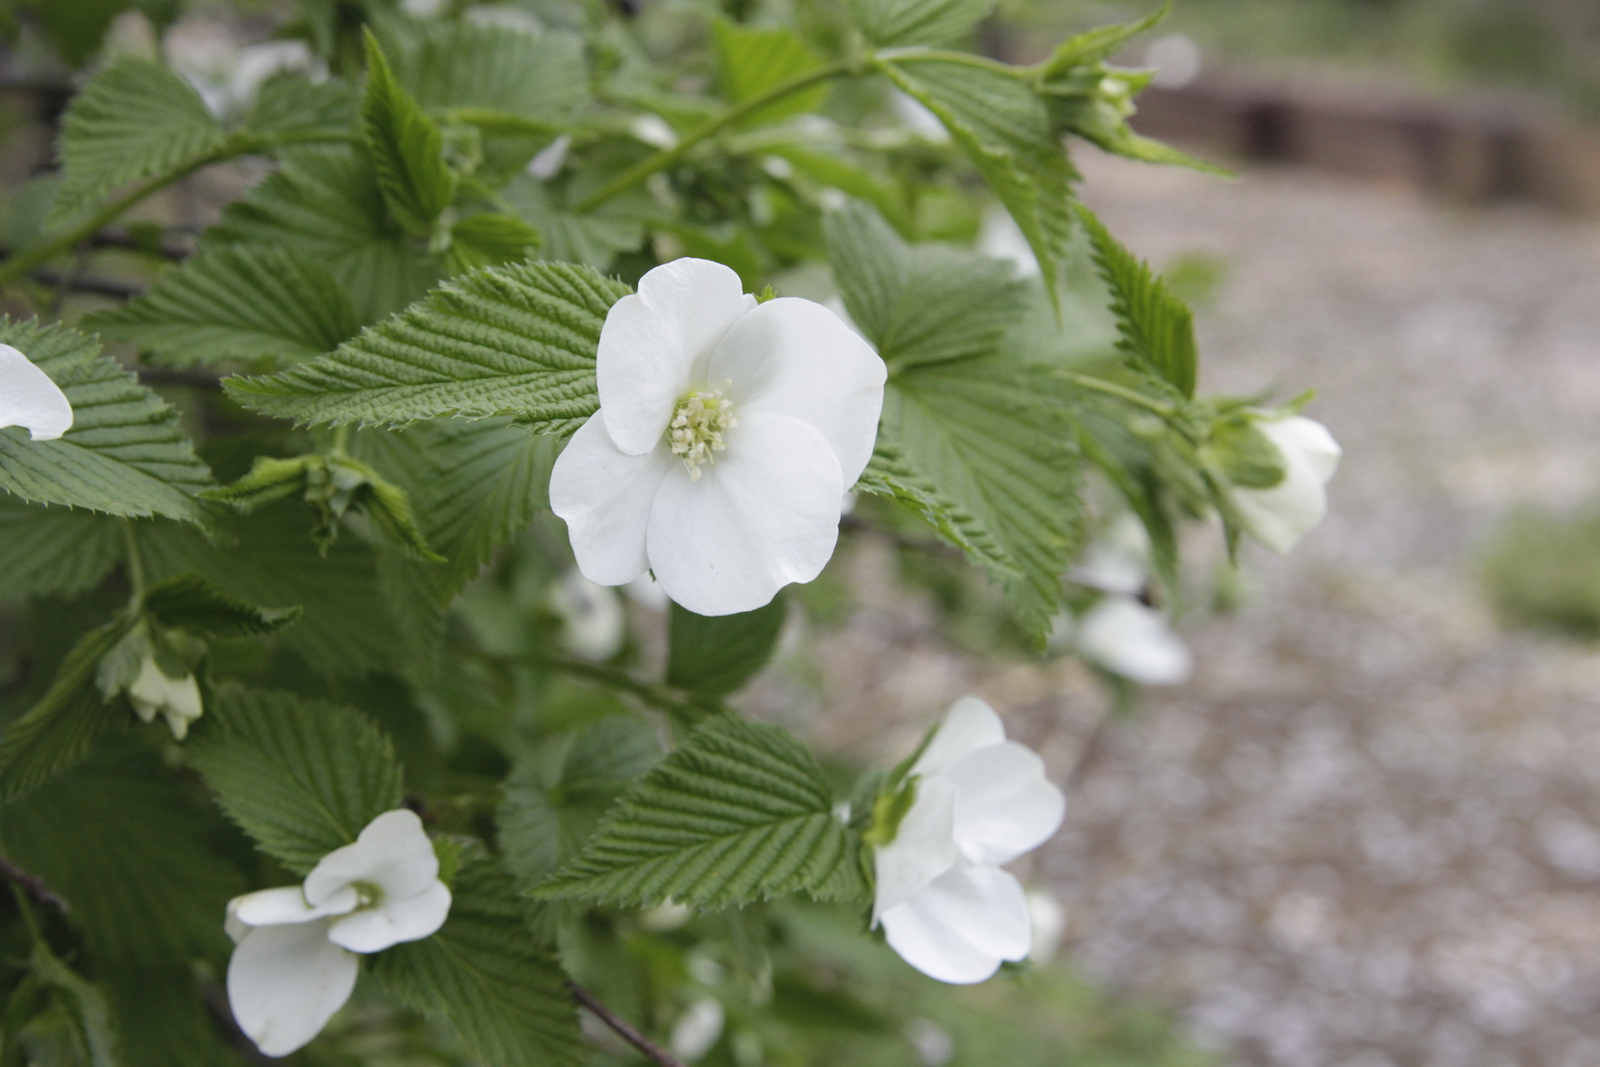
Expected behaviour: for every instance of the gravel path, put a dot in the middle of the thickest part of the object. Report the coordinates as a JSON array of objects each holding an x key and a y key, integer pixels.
[{"x": 1367, "y": 834}]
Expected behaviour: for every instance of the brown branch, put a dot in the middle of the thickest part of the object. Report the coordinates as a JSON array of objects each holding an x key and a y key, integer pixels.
[
  {"x": 78, "y": 283},
  {"x": 649, "y": 1049},
  {"x": 32, "y": 884}
]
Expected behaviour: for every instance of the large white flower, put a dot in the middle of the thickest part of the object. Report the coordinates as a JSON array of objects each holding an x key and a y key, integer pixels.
[
  {"x": 981, "y": 801},
  {"x": 28, "y": 398},
  {"x": 1281, "y": 515},
  {"x": 295, "y": 964},
  {"x": 155, "y": 692},
  {"x": 727, "y": 434},
  {"x": 1130, "y": 638}
]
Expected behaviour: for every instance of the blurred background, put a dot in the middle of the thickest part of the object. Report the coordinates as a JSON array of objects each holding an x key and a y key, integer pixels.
[{"x": 1366, "y": 831}]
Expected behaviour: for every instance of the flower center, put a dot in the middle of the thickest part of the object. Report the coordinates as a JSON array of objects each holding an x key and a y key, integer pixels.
[
  {"x": 696, "y": 428},
  {"x": 368, "y": 895}
]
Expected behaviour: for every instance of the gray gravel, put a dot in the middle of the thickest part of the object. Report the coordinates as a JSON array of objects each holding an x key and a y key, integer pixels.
[{"x": 1367, "y": 834}]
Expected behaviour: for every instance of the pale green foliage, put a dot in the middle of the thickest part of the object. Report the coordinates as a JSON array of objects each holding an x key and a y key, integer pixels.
[
  {"x": 134, "y": 120},
  {"x": 904, "y": 22},
  {"x": 740, "y": 812},
  {"x": 1157, "y": 328},
  {"x": 84, "y": 1003},
  {"x": 751, "y": 61},
  {"x": 293, "y": 102},
  {"x": 490, "y": 239},
  {"x": 516, "y": 340},
  {"x": 125, "y": 453},
  {"x": 53, "y": 550},
  {"x": 245, "y": 305},
  {"x": 406, "y": 148},
  {"x": 715, "y": 656},
  {"x": 459, "y": 66}
]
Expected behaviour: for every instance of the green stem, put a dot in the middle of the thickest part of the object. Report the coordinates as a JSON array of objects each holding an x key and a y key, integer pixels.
[
  {"x": 670, "y": 156},
  {"x": 1121, "y": 392},
  {"x": 661, "y": 697},
  {"x": 136, "y": 575},
  {"x": 918, "y": 54}
]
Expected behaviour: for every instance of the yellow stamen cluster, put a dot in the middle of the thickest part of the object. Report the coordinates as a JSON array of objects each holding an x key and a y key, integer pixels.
[{"x": 696, "y": 428}]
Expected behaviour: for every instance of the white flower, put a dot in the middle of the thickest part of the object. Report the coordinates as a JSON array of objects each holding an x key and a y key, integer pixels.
[
  {"x": 980, "y": 801},
  {"x": 1130, "y": 638},
  {"x": 28, "y": 398},
  {"x": 727, "y": 434},
  {"x": 549, "y": 160},
  {"x": 1049, "y": 924},
  {"x": 595, "y": 622},
  {"x": 1118, "y": 561},
  {"x": 697, "y": 1030},
  {"x": 155, "y": 692},
  {"x": 1281, "y": 515},
  {"x": 295, "y": 963}
]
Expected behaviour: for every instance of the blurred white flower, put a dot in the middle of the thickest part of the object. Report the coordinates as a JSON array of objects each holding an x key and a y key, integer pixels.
[
  {"x": 647, "y": 592},
  {"x": 916, "y": 117},
  {"x": 697, "y": 1030},
  {"x": 1281, "y": 515},
  {"x": 424, "y": 9},
  {"x": 979, "y": 801},
  {"x": 228, "y": 76},
  {"x": 549, "y": 160},
  {"x": 1049, "y": 920},
  {"x": 28, "y": 398},
  {"x": 933, "y": 1043},
  {"x": 1001, "y": 238},
  {"x": 1130, "y": 638},
  {"x": 155, "y": 692},
  {"x": 295, "y": 963},
  {"x": 1176, "y": 59},
  {"x": 654, "y": 131},
  {"x": 666, "y": 916},
  {"x": 595, "y": 623},
  {"x": 1117, "y": 561},
  {"x": 727, "y": 434}
]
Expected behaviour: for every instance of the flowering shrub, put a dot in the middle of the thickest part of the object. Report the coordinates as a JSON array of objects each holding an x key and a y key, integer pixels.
[{"x": 523, "y": 304}]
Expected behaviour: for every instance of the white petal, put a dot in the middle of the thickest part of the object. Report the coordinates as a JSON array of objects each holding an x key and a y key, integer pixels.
[
  {"x": 287, "y": 904},
  {"x": 765, "y": 514},
  {"x": 655, "y": 344},
  {"x": 697, "y": 1030},
  {"x": 1129, "y": 638},
  {"x": 1308, "y": 437},
  {"x": 605, "y": 497},
  {"x": 594, "y": 620},
  {"x": 924, "y": 847},
  {"x": 153, "y": 693},
  {"x": 962, "y": 925},
  {"x": 969, "y": 725},
  {"x": 393, "y": 853},
  {"x": 393, "y": 921},
  {"x": 1278, "y": 517},
  {"x": 28, "y": 398},
  {"x": 1005, "y": 806},
  {"x": 1049, "y": 921},
  {"x": 286, "y": 982},
  {"x": 795, "y": 357},
  {"x": 1118, "y": 560}
]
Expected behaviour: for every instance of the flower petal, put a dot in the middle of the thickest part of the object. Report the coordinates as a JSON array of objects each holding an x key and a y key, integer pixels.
[
  {"x": 765, "y": 514},
  {"x": 924, "y": 847},
  {"x": 28, "y": 398},
  {"x": 1132, "y": 639},
  {"x": 393, "y": 853},
  {"x": 969, "y": 725},
  {"x": 795, "y": 357},
  {"x": 287, "y": 904},
  {"x": 393, "y": 921},
  {"x": 1308, "y": 437},
  {"x": 962, "y": 925},
  {"x": 605, "y": 496},
  {"x": 655, "y": 344},
  {"x": 286, "y": 982},
  {"x": 1005, "y": 806}
]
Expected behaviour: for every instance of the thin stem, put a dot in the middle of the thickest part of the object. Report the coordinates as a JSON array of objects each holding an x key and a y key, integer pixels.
[
  {"x": 135, "y": 560},
  {"x": 1122, "y": 392},
  {"x": 33, "y": 885},
  {"x": 649, "y": 1049},
  {"x": 661, "y": 697},
  {"x": 670, "y": 156},
  {"x": 918, "y": 54}
]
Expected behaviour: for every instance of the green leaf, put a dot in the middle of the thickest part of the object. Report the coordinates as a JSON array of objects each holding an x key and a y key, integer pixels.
[
  {"x": 324, "y": 205},
  {"x": 1004, "y": 128},
  {"x": 1157, "y": 328},
  {"x": 457, "y": 65},
  {"x": 484, "y": 974},
  {"x": 191, "y": 603},
  {"x": 1097, "y": 45},
  {"x": 1244, "y": 455},
  {"x": 919, "y": 305},
  {"x": 251, "y": 305},
  {"x": 406, "y": 148},
  {"x": 592, "y": 238},
  {"x": 752, "y": 60},
  {"x": 290, "y": 102},
  {"x": 900, "y": 22},
  {"x": 301, "y": 777},
  {"x": 715, "y": 656},
  {"x": 740, "y": 812},
  {"x": 889, "y": 474},
  {"x": 517, "y": 340},
  {"x": 56, "y": 733},
  {"x": 134, "y": 120},
  {"x": 54, "y": 550},
  {"x": 85, "y": 1003},
  {"x": 549, "y": 812},
  {"x": 489, "y": 240},
  {"x": 125, "y": 453}
]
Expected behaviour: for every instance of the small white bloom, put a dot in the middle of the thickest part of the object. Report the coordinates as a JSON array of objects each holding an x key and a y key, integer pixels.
[
  {"x": 1176, "y": 58},
  {"x": 1002, "y": 238},
  {"x": 981, "y": 801},
  {"x": 935, "y": 1047},
  {"x": 727, "y": 434},
  {"x": 697, "y": 1030},
  {"x": 1118, "y": 561},
  {"x": 155, "y": 692},
  {"x": 654, "y": 131},
  {"x": 551, "y": 158},
  {"x": 295, "y": 964},
  {"x": 1132, "y": 639},
  {"x": 594, "y": 618},
  {"x": 916, "y": 117},
  {"x": 28, "y": 398},
  {"x": 1281, "y": 515},
  {"x": 1049, "y": 924}
]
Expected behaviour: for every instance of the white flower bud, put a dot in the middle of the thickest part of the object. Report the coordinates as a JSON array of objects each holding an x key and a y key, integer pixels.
[
  {"x": 154, "y": 693},
  {"x": 1281, "y": 515}
]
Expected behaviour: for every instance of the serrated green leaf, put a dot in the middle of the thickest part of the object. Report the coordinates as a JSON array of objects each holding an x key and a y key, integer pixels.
[
  {"x": 324, "y": 205},
  {"x": 291, "y": 101},
  {"x": 250, "y": 305},
  {"x": 450, "y": 65},
  {"x": 593, "y": 238},
  {"x": 485, "y": 975},
  {"x": 1004, "y": 128},
  {"x": 191, "y": 603},
  {"x": 56, "y": 551},
  {"x": 751, "y": 60},
  {"x": 740, "y": 812},
  {"x": 491, "y": 239},
  {"x": 85, "y": 1003},
  {"x": 56, "y": 733},
  {"x": 888, "y": 474},
  {"x": 125, "y": 454},
  {"x": 301, "y": 777},
  {"x": 902, "y": 22},
  {"x": 1157, "y": 328},
  {"x": 405, "y": 146},
  {"x": 517, "y": 340},
  {"x": 715, "y": 656},
  {"x": 1097, "y": 45},
  {"x": 269, "y": 479},
  {"x": 135, "y": 119}
]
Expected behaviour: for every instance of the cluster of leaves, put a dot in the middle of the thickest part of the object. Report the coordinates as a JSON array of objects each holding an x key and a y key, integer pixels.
[{"x": 348, "y": 544}]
